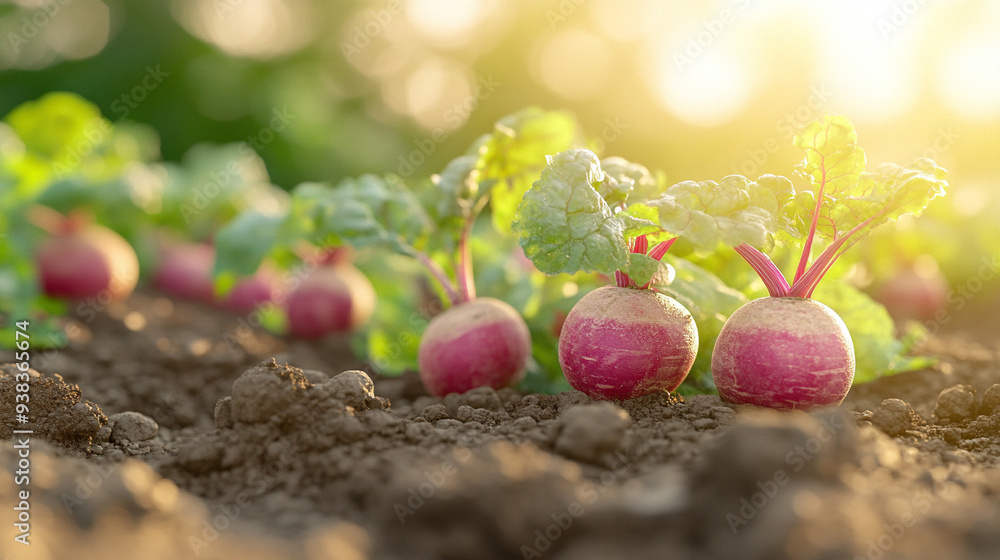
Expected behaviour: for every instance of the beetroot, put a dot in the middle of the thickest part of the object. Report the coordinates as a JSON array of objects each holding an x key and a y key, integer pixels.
[
  {"x": 481, "y": 342},
  {"x": 332, "y": 299},
  {"x": 185, "y": 271},
  {"x": 623, "y": 343},
  {"x": 253, "y": 291},
  {"x": 914, "y": 292},
  {"x": 86, "y": 260},
  {"x": 784, "y": 352}
]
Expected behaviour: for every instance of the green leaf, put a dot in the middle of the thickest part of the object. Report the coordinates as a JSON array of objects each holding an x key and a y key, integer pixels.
[
  {"x": 707, "y": 213},
  {"x": 243, "y": 243},
  {"x": 642, "y": 268},
  {"x": 515, "y": 153},
  {"x": 640, "y": 219},
  {"x": 884, "y": 195},
  {"x": 876, "y": 349},
  {"x": 565, "y": 225},
  {"x": 642, "y": 185},
  {"x": 52, "y": 126},
  {"x": 834, "y": 161},
  {"x": 453, "y": 193},
  {"x": 370, "y": 210}
]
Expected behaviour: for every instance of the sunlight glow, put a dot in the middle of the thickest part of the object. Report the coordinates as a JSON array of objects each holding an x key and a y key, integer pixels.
[
  {"x": 81, "y": 30},
  {"x": 574, "y": 64},
  {"x": 867, "y": 60},
  {"x": 438, "y": 94},
  {"x": 709, "y": 91},
  {"x": 446, "y": 20},
  {"x": 628, "y": 20},
  {"x": 969, "y": 78},
  {"x": 249, "y": 28}
]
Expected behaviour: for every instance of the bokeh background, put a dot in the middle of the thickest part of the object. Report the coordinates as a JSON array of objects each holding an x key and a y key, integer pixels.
[
  {"x": 697, "y": 89},
  {"x": 329, "y": 89}
]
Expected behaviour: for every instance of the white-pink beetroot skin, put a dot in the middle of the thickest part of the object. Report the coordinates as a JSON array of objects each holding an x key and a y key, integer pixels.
[
  {"x": 785, "y": 353},
  {"x": 89, "y": 261},
  {"x": 333, "y": 298},
  {"x": 483, "y": 342},
  {"x": 623, "y": 343}
]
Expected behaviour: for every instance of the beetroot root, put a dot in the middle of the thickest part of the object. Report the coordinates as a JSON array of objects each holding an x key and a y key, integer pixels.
[
  {"x": 623, "y": 343},
  {"x": 482, "y": 342},
  {"x": 784, "y": 353}
]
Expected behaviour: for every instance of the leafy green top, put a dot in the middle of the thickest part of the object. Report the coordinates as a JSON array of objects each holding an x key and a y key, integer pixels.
[
  {"x": 845, "y": 203},
  {"x": 429, "y": 219},
  {"x": 584, "y": 214}
]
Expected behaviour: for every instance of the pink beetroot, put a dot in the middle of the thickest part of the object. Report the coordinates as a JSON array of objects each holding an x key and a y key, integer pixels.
[
  {"x": 334, "y": 298},
  {"x": 185, "y": 271},
  {"x": 622, "y": 343},
  {"x": 784, "y": 352},
  {"x": 481, "y": 342},
  {"x": 86, "y": 260}
]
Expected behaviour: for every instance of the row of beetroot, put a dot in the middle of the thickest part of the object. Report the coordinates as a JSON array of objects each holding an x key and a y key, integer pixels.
[{"x": 571, "y": 212}]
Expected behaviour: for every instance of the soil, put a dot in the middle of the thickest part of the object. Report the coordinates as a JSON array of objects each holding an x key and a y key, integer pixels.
[{"x": 168, "y": 430}]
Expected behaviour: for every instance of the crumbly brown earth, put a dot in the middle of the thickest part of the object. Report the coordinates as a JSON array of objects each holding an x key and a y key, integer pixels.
[{"x": 209, "y": 439}]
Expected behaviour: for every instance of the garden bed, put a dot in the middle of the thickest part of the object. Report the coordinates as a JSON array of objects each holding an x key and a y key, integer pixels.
[{"x": 301, "y": 460}]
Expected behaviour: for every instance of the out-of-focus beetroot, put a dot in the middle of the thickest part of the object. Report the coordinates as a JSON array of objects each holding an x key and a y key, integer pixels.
[
  {"x": 333, "y": 298},
  {"x": 784, "y": 353},
  {"x": 482, "y": 342},
  {"x": 87, "y": 260},
  {"x": 915, "y": 292},
  {"x": 623, "y": 343},
  {"x": 253, "y": 291},
  {"x": 185, "y": 271}
]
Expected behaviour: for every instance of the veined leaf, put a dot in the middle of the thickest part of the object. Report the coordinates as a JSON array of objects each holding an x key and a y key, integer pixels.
[
  {"x": 565, "y": 225},
  {"x": 512, "y": 157},
  {"x": 732, "y": 212}
]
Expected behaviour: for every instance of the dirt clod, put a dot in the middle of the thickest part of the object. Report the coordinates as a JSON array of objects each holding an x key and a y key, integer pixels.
[
  {"x": 132, "y": 427},
  {"x": 266, "y": 390},
  {"x": 319, "y": 468},
  {"x": 956, "y": 403},
  {"x": 592, "y": 432},
  {"x": 224, "y": 413},
  {"x": 991, "y": 401},
  {"x": 893, "y": 417},
  {"x": 435, "y": 412},
  {"x": 353, "y": 387},
  {"x": 57, "y": 411}
]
